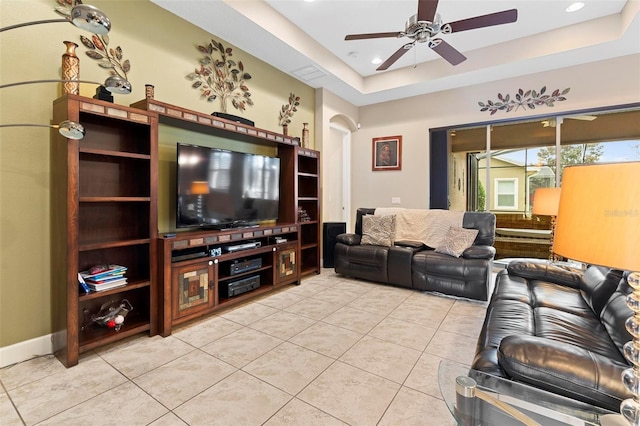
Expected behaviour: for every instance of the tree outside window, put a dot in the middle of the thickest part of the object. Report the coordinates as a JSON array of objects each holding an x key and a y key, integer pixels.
[{"x": 571, "y": 155}]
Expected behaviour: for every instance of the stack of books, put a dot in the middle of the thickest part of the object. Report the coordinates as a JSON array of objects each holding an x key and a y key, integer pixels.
[{"x": 105, "y": 277}]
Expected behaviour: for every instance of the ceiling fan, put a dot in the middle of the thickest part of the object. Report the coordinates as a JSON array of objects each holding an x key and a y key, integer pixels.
[{"x": 426, "y": 24}]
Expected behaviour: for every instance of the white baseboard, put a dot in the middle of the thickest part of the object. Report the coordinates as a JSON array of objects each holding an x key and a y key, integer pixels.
[{"x": 27, "y": 349}]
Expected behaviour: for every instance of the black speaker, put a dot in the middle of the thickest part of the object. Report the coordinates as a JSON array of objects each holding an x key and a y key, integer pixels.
[
  {"x": 330, "y": 230},
  {"x": 235, "y": 118}
]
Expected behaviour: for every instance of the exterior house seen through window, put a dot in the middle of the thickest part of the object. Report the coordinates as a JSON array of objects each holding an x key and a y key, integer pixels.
[{"x": 506, "y": 194}]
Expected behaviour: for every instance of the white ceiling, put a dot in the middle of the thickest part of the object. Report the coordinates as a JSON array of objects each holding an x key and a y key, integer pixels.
[{"x": 306, "y": 39}]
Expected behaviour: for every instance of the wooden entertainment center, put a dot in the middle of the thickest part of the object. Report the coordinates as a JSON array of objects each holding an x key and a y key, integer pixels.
[
  {"x": 105, "y": 211},
  {"x": 204, "y": 271}
]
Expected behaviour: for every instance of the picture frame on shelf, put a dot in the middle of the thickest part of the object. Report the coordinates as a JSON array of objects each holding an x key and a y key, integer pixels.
[{"x": 386, "y": 153}]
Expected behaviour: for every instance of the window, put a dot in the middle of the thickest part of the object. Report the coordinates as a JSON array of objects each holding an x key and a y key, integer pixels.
[
  {"x": 220, "y": 170},
  {"x": 527, "y": 150},
  {"x": 529, "y": 154},
  {"x": 506, "y": 191}
]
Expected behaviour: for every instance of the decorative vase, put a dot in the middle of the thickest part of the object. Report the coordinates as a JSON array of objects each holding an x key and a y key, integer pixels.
[
  {"x": 285, "y": 129},
  {"x": 70, "y": 69},
  {"x": 149, "y": 91},
  {"x": 305, "y": 135}
]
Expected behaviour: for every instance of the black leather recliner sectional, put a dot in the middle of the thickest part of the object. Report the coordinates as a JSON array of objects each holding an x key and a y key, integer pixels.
[
  {"x": 413, "y": 265},
  {"x": 558, "y": 329}
]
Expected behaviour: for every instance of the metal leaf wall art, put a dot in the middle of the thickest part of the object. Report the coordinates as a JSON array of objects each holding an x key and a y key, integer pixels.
[
  {"x": 98, "y": 45},
  {"x": 108, "y": 58},
  {"x": 219, "y": 76},
  {"x": 529, "y": 99},
  {"x": 287, "y": 110}
]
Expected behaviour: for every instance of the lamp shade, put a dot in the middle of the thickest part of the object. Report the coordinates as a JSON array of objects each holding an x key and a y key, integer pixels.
[
  {"x": 117, "y": 84},
  {"x": 91, "y": 19},
  {"x": 199, "y": 187},
  {"x": 83, "y": 16},
  {"x": 71, "y": 129},
  {"x": 546, "y": 201},
  {"x": 114, "y": 84},
  {"x": 68, "y": 129},
  {"x": 599, "y": 215}
]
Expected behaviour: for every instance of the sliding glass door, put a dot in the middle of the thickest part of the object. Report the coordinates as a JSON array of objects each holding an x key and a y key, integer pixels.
[{"x": 498, "y": 166}]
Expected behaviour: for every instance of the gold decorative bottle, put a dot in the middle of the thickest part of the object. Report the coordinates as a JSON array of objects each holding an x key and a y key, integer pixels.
[{"x": 70, "y": 69}]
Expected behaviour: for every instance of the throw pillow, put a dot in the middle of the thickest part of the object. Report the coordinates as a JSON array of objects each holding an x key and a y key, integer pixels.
[
  {"x": 456, "y": 241},
  {"x": 378, "y": 230}
]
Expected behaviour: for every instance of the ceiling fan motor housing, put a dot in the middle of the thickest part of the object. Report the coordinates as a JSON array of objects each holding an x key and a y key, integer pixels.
[{"x": 421, "y": 31}]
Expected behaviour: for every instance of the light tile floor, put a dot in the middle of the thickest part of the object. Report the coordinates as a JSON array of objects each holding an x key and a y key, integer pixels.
[{"x": 331, "y": 351}]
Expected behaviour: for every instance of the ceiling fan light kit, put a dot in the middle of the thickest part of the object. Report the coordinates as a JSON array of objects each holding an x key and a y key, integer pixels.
[{"x": 426, "y": 24}]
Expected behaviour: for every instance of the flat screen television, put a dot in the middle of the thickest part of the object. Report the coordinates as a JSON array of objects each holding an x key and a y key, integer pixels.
[{"x": 218, "y": 188}]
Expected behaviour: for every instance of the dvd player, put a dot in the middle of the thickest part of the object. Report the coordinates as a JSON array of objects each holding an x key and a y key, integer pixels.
[
  {"x": 241, "y": 286},
  {"x": 188, "y": 256},
  {"x": 240, "y": 267},
  {"x": 245, "y": 246}
]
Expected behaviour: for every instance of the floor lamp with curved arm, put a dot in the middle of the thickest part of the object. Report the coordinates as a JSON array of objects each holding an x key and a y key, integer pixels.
[
  {"x": 68, "y": 129},
  {"x": 114, "y": 84},
  {"x": 83, "y": 16}
]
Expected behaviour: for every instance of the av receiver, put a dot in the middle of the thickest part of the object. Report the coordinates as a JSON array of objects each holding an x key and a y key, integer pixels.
[
  {"x": 244, "y": 265},
  {"x": 235, "y": 288}
]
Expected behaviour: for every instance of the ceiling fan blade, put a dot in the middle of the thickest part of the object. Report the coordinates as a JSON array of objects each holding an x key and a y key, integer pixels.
[
  {"x": 498, "y": 18},
  {"x": 427, "y": 10},
  {"x": 371, "y": 35},
  {"x": 393, "y": 58},
  {"x": 448, "y": 52}
]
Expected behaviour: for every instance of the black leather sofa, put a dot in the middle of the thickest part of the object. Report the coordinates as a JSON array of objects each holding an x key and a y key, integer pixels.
[
  {"x": 411, "y": 264},
  {"x": 558, "y": 329}
]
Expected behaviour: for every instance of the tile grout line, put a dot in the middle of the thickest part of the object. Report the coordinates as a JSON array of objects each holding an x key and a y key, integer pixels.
[{"x": 325, "y": 288}]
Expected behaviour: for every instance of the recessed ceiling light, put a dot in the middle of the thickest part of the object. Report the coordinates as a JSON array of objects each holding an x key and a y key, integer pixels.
[
  {"x": 575, "y": 6},
  {"x": 376, "y": 61},
  {"x": 309, "y": 1}
]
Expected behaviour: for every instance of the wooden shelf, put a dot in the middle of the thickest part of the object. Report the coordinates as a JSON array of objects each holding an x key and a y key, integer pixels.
[
  {"x": 309, "y": 270},
  {"x": 194, "y": 120},
  {"x": 128, "y": 286},
  {"x": 105, "y": 211},
  {"x": 115, "y": 199},
  {"x": 299, "y": 187},
  {"x": 305, "y": 190},
  {"x": 195, "y": 287},
  {"x": 96, "y": 336},
  {"x": 226, "y": 302},
  {"x": 109, "y": 153},
  {"x": 112, "y": 244}
]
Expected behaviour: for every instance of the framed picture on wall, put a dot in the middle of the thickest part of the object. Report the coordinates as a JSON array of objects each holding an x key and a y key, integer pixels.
[{"x": 387, "y": 153}]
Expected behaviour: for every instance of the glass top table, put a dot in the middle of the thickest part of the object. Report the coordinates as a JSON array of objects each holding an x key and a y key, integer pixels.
[{"x": 475, "y": 398}]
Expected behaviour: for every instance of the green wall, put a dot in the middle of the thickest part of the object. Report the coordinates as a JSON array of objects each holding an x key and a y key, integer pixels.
[{"x": 161, "y": 48}]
